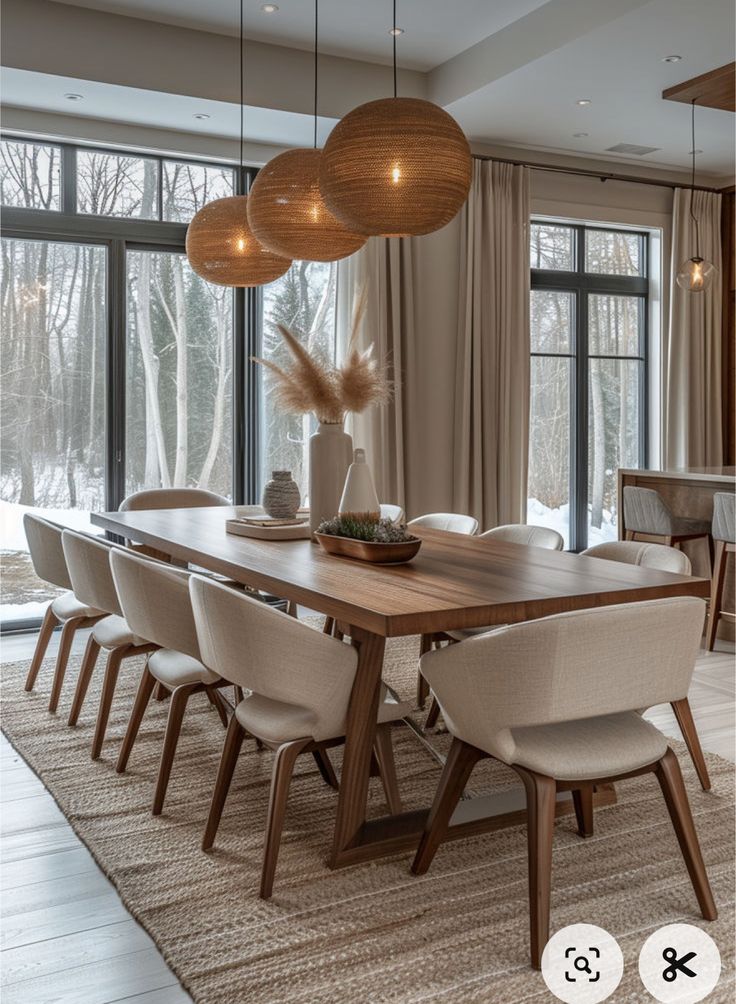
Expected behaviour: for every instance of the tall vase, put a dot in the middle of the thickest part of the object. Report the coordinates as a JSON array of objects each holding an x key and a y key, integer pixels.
[{"x": 330, "y": 453}]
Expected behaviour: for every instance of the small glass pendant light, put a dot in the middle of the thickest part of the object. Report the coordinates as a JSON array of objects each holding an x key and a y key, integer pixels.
[{"x": 696, "y": 274}]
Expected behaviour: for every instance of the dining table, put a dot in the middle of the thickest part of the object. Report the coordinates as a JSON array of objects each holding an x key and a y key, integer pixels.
[{"x": 455, "y": 581}]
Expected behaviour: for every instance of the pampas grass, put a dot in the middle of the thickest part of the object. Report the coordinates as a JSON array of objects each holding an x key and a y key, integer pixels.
[{"x": 310, "y": 383}]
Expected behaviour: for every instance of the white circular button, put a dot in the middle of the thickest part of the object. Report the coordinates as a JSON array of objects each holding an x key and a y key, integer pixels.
[
  {"x": 680, "y": 963},
  {"x": 582, "y": 964}
]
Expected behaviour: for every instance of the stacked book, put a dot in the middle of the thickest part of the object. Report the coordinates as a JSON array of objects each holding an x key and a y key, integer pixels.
[{"x": 270, "y": 527}]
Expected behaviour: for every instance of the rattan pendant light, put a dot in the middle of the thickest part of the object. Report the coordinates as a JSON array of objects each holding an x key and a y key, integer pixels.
[
  {"x": 285, "y": 207},
  {"x": 696, "y": 274},
  {"x": 396, "y": 167},
  {"x": 220, "y": 244}
]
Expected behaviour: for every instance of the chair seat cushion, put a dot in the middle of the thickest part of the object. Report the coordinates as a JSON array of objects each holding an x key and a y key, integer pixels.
[
  {"x": 279, "y": 722},
  {"x": 589, "y": 748},
  {"x": 67, "y": 606},
  {"x": 175, "y": 669},
  {"x": 113, "y": 631}
]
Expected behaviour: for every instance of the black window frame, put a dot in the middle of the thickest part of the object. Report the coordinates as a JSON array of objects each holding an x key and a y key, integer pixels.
[
  {"x": 118, "y": 234},
  {"x": 581, "y": 285}
]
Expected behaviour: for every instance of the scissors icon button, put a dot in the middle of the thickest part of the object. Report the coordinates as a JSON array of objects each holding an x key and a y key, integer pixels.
[{"x": 677, "y": 965}]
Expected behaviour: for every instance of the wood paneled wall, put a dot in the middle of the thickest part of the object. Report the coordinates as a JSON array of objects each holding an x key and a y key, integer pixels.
[{"x": 728, "y": 230}]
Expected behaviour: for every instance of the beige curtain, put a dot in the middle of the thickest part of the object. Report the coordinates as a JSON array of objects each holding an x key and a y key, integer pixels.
[
  {"x": 491, "y": 421},
  {"x": 692, "y": 416}
]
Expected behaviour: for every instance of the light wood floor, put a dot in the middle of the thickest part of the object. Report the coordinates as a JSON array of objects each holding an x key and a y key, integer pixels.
[{"x": 66, "y": 936}]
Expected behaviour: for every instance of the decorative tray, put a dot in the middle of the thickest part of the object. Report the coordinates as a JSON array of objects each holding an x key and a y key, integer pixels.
[
  {"x": 290, "y": 531},
  {"x": 364, "y": 550}
]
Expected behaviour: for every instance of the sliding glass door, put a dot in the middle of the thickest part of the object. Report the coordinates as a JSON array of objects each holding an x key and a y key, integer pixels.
[
  {"x": 178, "y": 376},
  {"x": 54, "y": 323}
]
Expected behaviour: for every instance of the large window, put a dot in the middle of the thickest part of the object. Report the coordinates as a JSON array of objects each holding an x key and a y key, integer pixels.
[
  {"x": 588, "y": 375},
  {"x": 121, "y": 368}
]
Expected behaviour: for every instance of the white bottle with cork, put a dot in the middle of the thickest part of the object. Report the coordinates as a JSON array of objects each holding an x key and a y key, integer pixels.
[{"x": 359, "y": 498}]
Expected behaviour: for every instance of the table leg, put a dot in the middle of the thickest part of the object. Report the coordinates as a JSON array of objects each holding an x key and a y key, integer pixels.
[{"x": 359, "y": 736}]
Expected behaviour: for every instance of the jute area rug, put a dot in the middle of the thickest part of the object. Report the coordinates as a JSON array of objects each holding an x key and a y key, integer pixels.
[{"x": 371, "y": 933}]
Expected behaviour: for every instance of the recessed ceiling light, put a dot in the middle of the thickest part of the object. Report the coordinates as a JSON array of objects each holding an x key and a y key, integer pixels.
[
  {"x": 396, "y": 31},
  {"x": 671, "y": 59},
  {"x": 579, "y": 135},
  {"x": 74, "y": 97},
  {"x": 269, "y": 8},
  {"x": 201, "y": 116},
  {"x": 583, "y": 102}
]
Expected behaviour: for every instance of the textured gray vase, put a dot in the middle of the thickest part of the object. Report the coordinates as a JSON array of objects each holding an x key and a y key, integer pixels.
[
  {"x": 281, "y": 496},
  {"x": 330, "y": 455}
]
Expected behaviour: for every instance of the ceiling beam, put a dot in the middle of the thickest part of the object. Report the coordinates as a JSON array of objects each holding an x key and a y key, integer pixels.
[
  {"x": 538, "y": 33},
  {"x": 715, "y": 89}
]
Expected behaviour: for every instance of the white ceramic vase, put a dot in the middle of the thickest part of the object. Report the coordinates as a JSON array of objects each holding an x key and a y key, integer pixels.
[
  {"x": 330, "y": 453},
  {"x": 359, "y": 496}
]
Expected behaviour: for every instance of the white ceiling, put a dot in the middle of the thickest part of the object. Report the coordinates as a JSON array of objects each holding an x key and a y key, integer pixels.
[
  {"x": 511, "y": 83},
  {"x": 434, "y": 30}
]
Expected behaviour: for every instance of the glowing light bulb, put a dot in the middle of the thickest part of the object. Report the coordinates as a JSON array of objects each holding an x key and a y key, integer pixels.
[
  {"x": 696, "y": 275},
  {"x": 241, "y": 244},
  {"x": 314, "y": 212},
  {"x": 396, "y": 175}
]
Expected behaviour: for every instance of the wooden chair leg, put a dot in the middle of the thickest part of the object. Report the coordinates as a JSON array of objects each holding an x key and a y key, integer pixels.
[
  {"x": 161, "y": 692},
  {"x": 112, "y": 669},
  {"x": 86, "y": 670},
  {"x": 62, "y": 658},
  {"x": 325, "y": 768},
  {"x": 541, "y": 794},
  {"x": 238, "y": 695},
  {"x": 292, "y": 608},
  {"x": 716, "y": 593},
  {"x": 425, "y": 645},
  {"x": 583, "y": 801},
  {"x": 434, "y": 714},
  {"x": 143, "y": 696},
  {"x": 673, "y": 789},
  {"x": 328, "y": 625},
  {"x": 460, "y": 762},
  {"x": 684, "y": 716},
  {"x": 177, "y": 707},
  {"x": 214, "y": 698},
  {"x": 230, "y": 752},
  {"x": 49, "y": 622},
  {"x": 283, "y": 768},
  {"x": 384, "y": 750}
]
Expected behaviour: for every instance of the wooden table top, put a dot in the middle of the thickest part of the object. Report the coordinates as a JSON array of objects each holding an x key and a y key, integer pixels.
[{"x": 455, "y": 581}]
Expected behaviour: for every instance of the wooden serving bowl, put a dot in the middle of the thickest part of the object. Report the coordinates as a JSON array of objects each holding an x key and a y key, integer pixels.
[{"x": 365, "y": 550}]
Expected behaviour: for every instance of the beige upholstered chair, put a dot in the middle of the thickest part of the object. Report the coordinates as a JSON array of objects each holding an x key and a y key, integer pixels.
[
  {"x": 49, "y": 564},
  {"x": 556, "y": 699},
  {"x": 155, "y": 600},
  {"x": 298, "y": 681},
  {"x": 88, "y": 560},
  {"x": 647, "y": 515},
  {"x": 724, "y": 537},
  {"x": 171, "y": 498},
  {"x": 664, "y": 559},
  {"x": 455, "y": 522},
  {"x": 512, "y": 533}
]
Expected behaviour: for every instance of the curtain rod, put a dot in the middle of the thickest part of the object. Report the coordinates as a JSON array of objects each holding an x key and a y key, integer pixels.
[{"x": 601, "y": 175}]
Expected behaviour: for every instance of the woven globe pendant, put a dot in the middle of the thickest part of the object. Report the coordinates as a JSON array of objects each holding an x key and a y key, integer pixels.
[
  {"x": 286, "y": 211},
  {"x": 222, "y": 248},
  {"x": 397, "y": 167}
]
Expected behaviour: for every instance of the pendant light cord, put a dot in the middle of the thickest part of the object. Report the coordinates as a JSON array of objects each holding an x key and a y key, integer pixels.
[
  {"x": 316, "y": 39},
  {"x": 242, "y": 87},
  {"x": 692, "y": 181},
  {"x": 393, "y": 33}
]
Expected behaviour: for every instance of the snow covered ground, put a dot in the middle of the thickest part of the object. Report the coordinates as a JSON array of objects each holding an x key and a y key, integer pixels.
[{"x": 559, "y": 519}]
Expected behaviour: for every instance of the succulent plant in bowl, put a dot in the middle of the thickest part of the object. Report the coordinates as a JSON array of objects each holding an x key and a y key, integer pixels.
[
  {"x": 377, "y": 541},
  {"x": 382, "y": 531}
]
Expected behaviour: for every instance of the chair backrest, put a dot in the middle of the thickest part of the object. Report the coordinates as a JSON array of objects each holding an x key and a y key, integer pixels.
[
  {"x": 724, "y": 517},
  {"x": 645, "y": 511},
  {"x": 533, "y": 536},
  {"x": 47, "y": 552},
  {"x": 155, "y": 601},
  {"x": 88, "y": 561},
  {"x": 266, "y": 651},
  {"x": 393, "y": 512},
  {"x": 562, "y": 668},
  {"x": 171, "y": 498},
  {"x": 454, "y": 521},
  {"x": 633, "y": 552}
]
